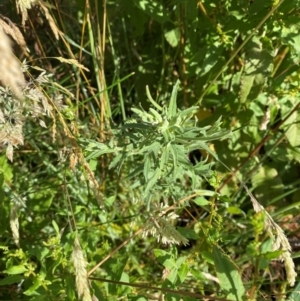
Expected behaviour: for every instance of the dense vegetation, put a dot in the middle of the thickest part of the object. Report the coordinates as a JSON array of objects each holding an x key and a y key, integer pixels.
[{"x": 150, "y": 150}]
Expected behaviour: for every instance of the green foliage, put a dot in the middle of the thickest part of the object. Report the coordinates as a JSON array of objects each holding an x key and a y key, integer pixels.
[
  {"x": 159, "y": 143},
  {"x": 132, "y": 189},
  {"x": 230, "y": 279}
]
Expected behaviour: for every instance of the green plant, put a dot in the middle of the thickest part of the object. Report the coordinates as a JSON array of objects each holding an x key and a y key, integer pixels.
[{"x": 105, "y": 199}]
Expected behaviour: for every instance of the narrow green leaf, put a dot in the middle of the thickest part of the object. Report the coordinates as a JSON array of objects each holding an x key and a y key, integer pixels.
[
  {"x": 172, "y": 110},
  {"x": 152, "y": 181},
  {"x": 156, "y": 115},
  {"x": 154, "y": 103},
  {"x": 165, "y": 156},
  {"x": 153, "y": 147},
  {"x": 147, "y": 167},
  {"x": 118, "y": 161},
  {"x": 205, "y": 192},
  {"x": 98, "y": 153},
  {"x": 55, "y": 226}
]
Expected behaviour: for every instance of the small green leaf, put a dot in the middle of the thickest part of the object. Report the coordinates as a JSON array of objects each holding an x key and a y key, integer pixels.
[
  {"x": 36, "y": 284},
  {"x": 162, "y": 256},
  {"x": 173, "y": 37},
  {"x": 235, "y": 210},
  {"x": 110, "y": 200},
  {"x": 55, "y": 226},
  {"x": 16, "y": 269},
  {"x": 201, "y": 201}
]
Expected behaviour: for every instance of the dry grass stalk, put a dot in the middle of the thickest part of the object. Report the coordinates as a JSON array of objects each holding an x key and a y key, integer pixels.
[
  {"x": 11, "y": 29},
  {"x": 281, "y": 241},
  {"x": 82, "y": 284},
  {"x": 72, "y": 62},
  {"x": 51, "y": 22},
  {"x": 14, "y": 223},
  {"x": 22, "y": 7},
  {"x": 10, "y": 69}
]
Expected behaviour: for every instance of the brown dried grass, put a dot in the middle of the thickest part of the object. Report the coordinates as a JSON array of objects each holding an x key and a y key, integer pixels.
[{"x": 10, "y": 69}]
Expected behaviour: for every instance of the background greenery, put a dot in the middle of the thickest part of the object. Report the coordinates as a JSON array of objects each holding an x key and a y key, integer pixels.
[{"x": 144, "y": 186}]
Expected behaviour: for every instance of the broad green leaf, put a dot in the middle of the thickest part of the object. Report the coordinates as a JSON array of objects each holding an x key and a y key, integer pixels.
[
  {"x": 5, "y": 169},
  {"x": 228, "y": 275},
  {"x": 183, "y": 271},
  {"x": 187, "y": 233},
  {"x": 208, "y": 256},
  {"x": 173, "y": 275},
  {"x": 162, "y": 256},
  {"x": 170, "y": 263},
  {"x": 93, "y": 164},
  {"x": 293, "y": 130},
  {"x": 291, "y": 37},
  {"x": 11, "y": 279},
  {"x": 258, "y": 65},
  {"x": 268, "y": 184}
]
